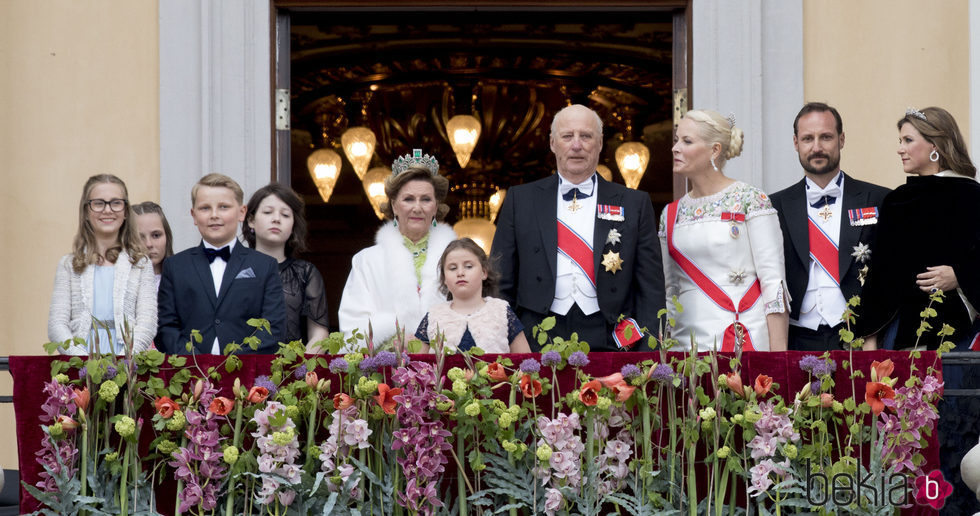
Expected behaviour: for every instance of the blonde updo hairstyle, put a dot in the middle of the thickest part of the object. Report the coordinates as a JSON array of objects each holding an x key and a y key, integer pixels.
[
  {"x": 714, "y": 128},
  {"x": 395, "y": 182}
]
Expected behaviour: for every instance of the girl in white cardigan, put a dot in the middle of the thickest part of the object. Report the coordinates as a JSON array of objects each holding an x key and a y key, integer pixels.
[
  {"x": 470, "y": 319},
  {"x": 107, "y": 277}
]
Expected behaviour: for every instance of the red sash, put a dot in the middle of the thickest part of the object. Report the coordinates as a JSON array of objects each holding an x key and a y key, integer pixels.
[
  {"x": 575, "y": 248},
  {"x": 713, "y": 291},
  {"x": 824, "y": 251}
]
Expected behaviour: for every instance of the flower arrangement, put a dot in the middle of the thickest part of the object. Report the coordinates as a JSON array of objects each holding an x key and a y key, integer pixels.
[{"x": 379, "y": 431}]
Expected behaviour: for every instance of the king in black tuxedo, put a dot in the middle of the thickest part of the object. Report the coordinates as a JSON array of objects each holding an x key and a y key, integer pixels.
[
  {"x": 818, "y": 140},
  {"x": 250, "y": 288},
  {"x": 625, "y": 258}
]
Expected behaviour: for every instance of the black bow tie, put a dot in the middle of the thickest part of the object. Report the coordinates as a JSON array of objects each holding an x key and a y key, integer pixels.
[
  {"x": 824, "y": 201},
  {"x": 224, "y": 253},
  {"x": 574, "y": 193}
]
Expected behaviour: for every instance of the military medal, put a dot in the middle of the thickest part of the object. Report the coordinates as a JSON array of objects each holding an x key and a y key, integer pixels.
[
  {"x": 574, "y": 205},
  {"x": 734, "y": 219},
  {"x": 826, "y": 213},
  {"x": 612, "y": 262},
  {"x": 613, "y": 236}
]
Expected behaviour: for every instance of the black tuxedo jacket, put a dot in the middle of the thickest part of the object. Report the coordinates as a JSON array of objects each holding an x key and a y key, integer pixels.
[
  {"x": 250, "y": 288},
  {"x": 792, "y": 207},
  {"x": 525, "y": 249}
]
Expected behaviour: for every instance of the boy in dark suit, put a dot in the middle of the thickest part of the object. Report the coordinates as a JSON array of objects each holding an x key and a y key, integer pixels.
[{"x": 216, "y": 287}]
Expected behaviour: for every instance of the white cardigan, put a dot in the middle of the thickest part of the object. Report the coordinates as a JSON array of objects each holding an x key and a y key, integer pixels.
[
  {"x": 134, "y": 300},
  {"x": 382, "y": 286}
]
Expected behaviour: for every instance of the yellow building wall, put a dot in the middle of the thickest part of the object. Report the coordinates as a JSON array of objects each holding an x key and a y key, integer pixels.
[
  {"x": 78, "y": 96},
  {"x": 874, "y": 58}
]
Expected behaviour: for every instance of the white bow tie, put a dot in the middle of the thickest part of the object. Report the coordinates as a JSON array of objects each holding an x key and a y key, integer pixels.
[
  {"x": 818, "y": 197},
  {"x": 584, "y": 189}
]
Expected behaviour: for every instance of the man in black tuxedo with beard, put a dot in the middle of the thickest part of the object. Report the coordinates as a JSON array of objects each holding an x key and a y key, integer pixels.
[
  {"x": 828, "y": 221},
  {"x": 580, "y": 248}
]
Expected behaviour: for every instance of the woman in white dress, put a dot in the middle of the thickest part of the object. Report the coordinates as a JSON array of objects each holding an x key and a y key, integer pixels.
[
  {"x": 397, "y": 280},
  {"x": 722, "y": 247}
]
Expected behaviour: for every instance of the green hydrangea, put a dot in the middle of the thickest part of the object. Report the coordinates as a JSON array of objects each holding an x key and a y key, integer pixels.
[
  {"x": 177, "y": 421},
  {"x": 284, "y": 437},
  {"x": 738, "y": 418},
  {"x": 543, "y": 453},
  {"x": 790, "y": 451},
  {"x": 353, "y": 359},
  {"x": 455, "y": 374},
  {"x": 166, "y": 447},
  {"x": 722, "y": 381},
  {"x": 62, "y": 378},
  {"x": 365, "y": 387},
  {"x": 472, "y": 409},
  {"x": 112, "y": 457},
  {"x": 505, "y": 420},
  {"x": 108, "y": 391},
  {"x": 125, "y": 426},
  {"x": 510, "y": 446},
  {"x": 707, "y": 413},
  {"x": 230, "y": 455},
  {"x": 292, "y": 411},
  {"x": 499, "y": 406},
  {"x": 603, "y": 403},
  {"x": 723, "y": 452},
  {"x": 459, "y": 387},
  {"x": 56, "y": 430},
  {"x": 751, "y": 416}
]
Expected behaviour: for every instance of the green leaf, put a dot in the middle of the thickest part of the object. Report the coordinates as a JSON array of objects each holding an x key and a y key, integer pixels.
[
  {"x": 414, "y": 346},
  {"x": 196, "y": 336},
  {"x": 233, "y": 363},
  {"x": 175, "y": 360},
  {"x": 548, "y": 323}
]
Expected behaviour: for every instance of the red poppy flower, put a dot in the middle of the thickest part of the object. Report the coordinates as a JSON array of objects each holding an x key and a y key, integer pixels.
[
  {"x": 734, "y": 381},
  {"x": 221, "y": 406},
  {"x": 881, "y": 370},
  {"x": 342, "y": 401},
  {"x": 589, "y": 393},
  {"x": 530, "y": 387},
  {"x": 875, "y": 392},
  {"x": 496, "y": 372},
  {"x": 81, "y": 398},
  {"x": 385, "y": 397},
  {"x": 165, "y": 406},
  {"x": 257, "y": 394},
  {"x": 762, "y": 385}
]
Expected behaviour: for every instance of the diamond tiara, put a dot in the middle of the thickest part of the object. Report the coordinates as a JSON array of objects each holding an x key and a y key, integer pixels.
[
  {"x": 415, "y": 160},
  {"x": 916, "y": 113}
]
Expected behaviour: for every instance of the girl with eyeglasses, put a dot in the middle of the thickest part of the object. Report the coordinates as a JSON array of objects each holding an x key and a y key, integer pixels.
[{"x": 106, "y": 282}]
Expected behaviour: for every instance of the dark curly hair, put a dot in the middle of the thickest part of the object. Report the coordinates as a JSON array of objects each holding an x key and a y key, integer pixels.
[{"x": 297, "y": 239}]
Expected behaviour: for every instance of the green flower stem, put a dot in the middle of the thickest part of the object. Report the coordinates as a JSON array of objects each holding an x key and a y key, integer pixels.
[
  {"x": 647, "y": 442},
  {"x": 460, "y": 476},
  {"x": 692, "y": 484},
  {"x": 180, "y": 483},
  {"x": 84, "y": 463},
  {"x": 310, "y": 433},
  {"x": 510, "y": 402},
  {"x": 590, "y": 438},
  {"x": 230, "y": 502},
  {"x": 123, "y": 491},
  {"x": 672, "y": 417}
]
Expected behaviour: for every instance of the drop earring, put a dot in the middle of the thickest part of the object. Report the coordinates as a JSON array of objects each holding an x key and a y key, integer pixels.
[
  {"x": 434, "y": 224},
  {"x": 713, "y": 164},
  {"x": 396, "y": 221}
]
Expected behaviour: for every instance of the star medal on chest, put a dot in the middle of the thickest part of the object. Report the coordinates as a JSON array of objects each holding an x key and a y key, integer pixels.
[
  {"x": 736, "y": 276},
  {"x": 612, "y": 262},
  {"x": 861, "y": 252},
  {"x": 825, "y": 213},
  {"x": 613, "y": 236},
  {"x": 574, "y": 205}
]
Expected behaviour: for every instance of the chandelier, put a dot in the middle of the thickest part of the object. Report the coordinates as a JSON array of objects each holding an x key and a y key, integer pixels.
[
  {"x": 358, "y": 144},
  {"x": 632, "y": 159},
  {"x": 374, "y": 186},
  {"x": 463, "y": 132}
]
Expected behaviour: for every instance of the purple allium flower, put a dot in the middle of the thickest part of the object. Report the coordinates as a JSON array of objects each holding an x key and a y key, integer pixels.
[
  {"x": 530, "y": 366},
  {"x": 368, "y": 365},
  {"x": 110, "y": 372},
  {"x": 578, "y": 359},
  {"x": 630, "y": 371},
  {"x": 662, "y": 373},
  {"x": 83, "y": 372},
  {"x": 815, "y": 387},
  {"x": 386, "y": 359},
  {"x": 265, "y": 381},
  {"x": 300, "y": 372},
  {"x": 808, "y": 362},
  {"x": 825, "y": 367},
  {"x": 551, "y": 359},
  {"x": 338, "y": 365}
]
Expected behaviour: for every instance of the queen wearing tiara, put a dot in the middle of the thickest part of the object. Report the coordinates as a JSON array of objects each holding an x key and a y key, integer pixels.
[{"x": 396, "y": 280}]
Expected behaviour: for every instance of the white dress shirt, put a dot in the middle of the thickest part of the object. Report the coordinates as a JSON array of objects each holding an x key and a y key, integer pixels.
[
  {"x": 217, "y": 272},
  {"x": 572, "y": 286},
  {"x": 823, "y": 302}
]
